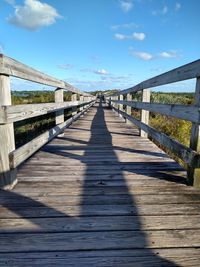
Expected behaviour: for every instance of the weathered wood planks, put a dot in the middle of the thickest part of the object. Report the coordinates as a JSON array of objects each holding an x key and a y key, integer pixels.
[{"x": 90, "y": 198}]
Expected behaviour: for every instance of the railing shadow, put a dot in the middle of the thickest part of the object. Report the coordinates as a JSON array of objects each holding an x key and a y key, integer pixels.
[{"x": 104, "y": 231}]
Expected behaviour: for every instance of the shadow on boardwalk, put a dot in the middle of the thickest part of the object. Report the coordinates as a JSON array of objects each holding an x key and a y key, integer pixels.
[{"x": 93, "y": 237}]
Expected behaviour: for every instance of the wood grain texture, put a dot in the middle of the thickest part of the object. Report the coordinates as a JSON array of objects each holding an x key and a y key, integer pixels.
[
  {"x": 184, "y": 112},
  {"x": 7, "y": 139},
  {"x": 102, "y": 196},
  {"x": 188, "y": 155}
]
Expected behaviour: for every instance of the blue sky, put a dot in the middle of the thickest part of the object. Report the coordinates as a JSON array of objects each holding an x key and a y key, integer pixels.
[{"x": 101, "y": 44}]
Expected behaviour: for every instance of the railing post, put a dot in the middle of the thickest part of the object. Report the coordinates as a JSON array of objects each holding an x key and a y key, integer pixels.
[
  {"x": 193, "y": 174},
  {"x": 81, "y": 99},
  {"x": 145, "y": 113},
  {"x": 128, "y": 108},
  {"x": 7, "y": 139},
  {"x": 74, "y": 109},
  {"x": 121, "y": 98},
  {"x": 59, "y": 114}
]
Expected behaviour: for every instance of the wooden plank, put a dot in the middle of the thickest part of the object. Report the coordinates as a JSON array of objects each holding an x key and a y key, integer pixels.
[
  {"x": 190, "y": 209},
  {"x": 99, "y": 240},
  {"x": 188, "y": 155},
  {"x": 9, "y": 66},
  {"x": 184, "y": 112},
  {"x": 103, "y": 223},
  {"x": 16, "y": 200},
  {"x": 7, "y": 140},
  {"x": 24, "y": 152},
  {"x": 187, "y": 257},
  {"x": 9, "y": 114},
  {"x": 185, "y": 72}
]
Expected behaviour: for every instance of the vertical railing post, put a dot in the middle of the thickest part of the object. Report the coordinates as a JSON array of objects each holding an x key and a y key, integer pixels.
[
  {"x": 81, "y": 99},
  {"x": 7, "y": 138},
  {"x": 145, "y": 113},
  {"x": 193, "y": 174},
  {"x": 74, "y": 109},
  {"x": 121, "y": 98},
  {"x": 128, "y": 108},
  {"x": 59, "y": 114}
]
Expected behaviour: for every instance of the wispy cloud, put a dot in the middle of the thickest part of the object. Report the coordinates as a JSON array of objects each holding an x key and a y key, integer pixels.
[
  {"x": 139, "y": 36},
  {"x": 110, "y": 81},
  {"x": 126, "y": 5},
  {"x": 130, "y": 25},
  {"x": 98, "y": 71},
  {"x": 142, "y": 55},
  {"x": 149, "y": 56},
  {"x": 65, "y": 66},
  {"x": 177, "y": 6},
  {"x": 10, "y": 2},
  {"x": 169, "y": 54},
  {"x": 162, "y": 11},
  {"x": 34, "y": 15}
]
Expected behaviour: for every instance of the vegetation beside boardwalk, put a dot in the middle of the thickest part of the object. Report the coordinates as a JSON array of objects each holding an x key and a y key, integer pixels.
[{"x": 30, "y": 128}]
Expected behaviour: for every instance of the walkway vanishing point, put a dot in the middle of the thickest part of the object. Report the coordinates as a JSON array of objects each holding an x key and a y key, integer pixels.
[{"x": 100, "y": 195}]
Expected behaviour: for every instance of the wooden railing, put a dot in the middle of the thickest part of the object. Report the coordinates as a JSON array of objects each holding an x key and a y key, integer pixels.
[
  {"x": 189, "y": 155},
  {"x": 10, "y": 157}
]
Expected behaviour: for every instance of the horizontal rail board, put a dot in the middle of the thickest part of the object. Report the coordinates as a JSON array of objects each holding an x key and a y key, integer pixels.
[
  {"x": 21, "y": 154},
  {"x": 185, "y": 72},
  {"x": 188, "y": 155},
  {"x": 184, "y": 112},
  {"x": 9, "y": 114},
  {"x": 11, "y": 67}
]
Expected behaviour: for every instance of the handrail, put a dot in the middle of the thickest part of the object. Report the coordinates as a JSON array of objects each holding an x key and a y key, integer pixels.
[
  {"x": 189, "y": 155},
  {"x": 12, "y": 67},
  {"x": 185, "y": 72},
  {"x": 10, "y": 157}
]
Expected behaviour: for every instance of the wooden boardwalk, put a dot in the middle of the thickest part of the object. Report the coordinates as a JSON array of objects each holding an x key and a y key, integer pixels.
[{"x": 100, "y": 196}]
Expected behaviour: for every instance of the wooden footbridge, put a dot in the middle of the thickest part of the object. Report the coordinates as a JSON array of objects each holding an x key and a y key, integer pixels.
[{"x": 94, "y": 190}]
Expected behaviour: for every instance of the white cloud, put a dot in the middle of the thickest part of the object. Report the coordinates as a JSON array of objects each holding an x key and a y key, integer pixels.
[
  {"x": 177, "y": 6},
  {"x": 124, "y": 26},
  {"x": 164, "y": 10},
  {"x": 126, "y": 5},
  {"x": 139, "y": 36},
  {"x": 143, "y": 55},
  {"x": 169, "y": 54},
  {"x": 65, "y": 66},
  {"x": 34, "y": 15},
  {"x": 101, "y": 71},
  {"x": 120, "y": 36}
]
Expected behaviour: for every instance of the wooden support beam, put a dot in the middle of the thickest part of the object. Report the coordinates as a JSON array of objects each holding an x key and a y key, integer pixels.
[
  {"x": 188, "y": 155},
  {"x": 145, "y": 113},
  {"x": 59, "y": 114},
  {"x": 183, "y": 112},
  {"x": 7, "y": 141},
  {"x": 74, "y": 98},
  {"x": 128, "y": 108},
  {"x": 81, "y": 100},
  {"x": 24, "y": 152},
  {"x": 193, "y": 174},
  {"x": 120, "y": 106}
]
